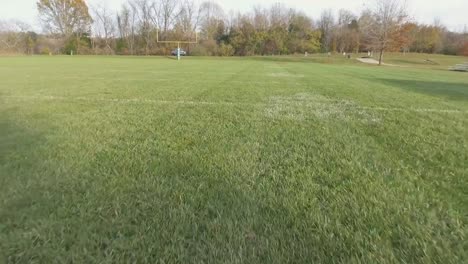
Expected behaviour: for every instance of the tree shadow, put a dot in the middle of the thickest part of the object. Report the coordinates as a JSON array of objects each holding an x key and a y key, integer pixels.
[
  {"x": 21, "y": 190},
  {"x": 451, "y": 91},
  {"x": 418, "y": 62},
  {"x": 14, "y": 139},
  {"x": 311, "y": 58}
]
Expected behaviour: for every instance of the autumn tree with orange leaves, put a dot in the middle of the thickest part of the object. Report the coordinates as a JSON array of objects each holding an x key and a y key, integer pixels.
[
  {"x": 403, "y": 37},
  {"x": 464, "y": 49}
]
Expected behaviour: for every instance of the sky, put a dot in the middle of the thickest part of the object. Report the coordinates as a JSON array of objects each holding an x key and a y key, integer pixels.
[{"x": 452, "y": 13}]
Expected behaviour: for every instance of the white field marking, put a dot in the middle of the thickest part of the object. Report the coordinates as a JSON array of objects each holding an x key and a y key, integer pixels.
[
  {"x": 300, "y": 98},
  {"x": 114, "y": 79},
  {"x": 122, "y": 100},
  {"x": 300, "y": 106},
  {"x": 303, "y": 105},
  {"x": 163, "y": 79},
  {"x": 275, "y": 101},
  {"x": 397, "y": 109},
  {"x": 285, "y": 75},
  {"x": 289, "y": 102},
  {"x": 175, "y": 72}
]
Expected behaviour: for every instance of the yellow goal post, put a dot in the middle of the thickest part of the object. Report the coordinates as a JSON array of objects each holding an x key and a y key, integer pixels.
[{"x": 177, "y": 41}]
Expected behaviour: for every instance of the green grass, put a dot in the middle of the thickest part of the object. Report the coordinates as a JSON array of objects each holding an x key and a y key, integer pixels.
[
  {"x": 234, "y": 160},
  {"x": 421, "y": 60}
]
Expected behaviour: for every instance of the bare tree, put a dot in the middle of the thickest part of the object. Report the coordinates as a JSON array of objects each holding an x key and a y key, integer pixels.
[
  {"x": 189, "y": 16},
  {"x": 14, "y": 36},
  {"x": 144, "y": 10},
  {"x": 104, "y": 26},
  {"x": 212, "y": 19},
  {"x": 261, "y": 18},
  {"x": 165, "y": 12},
  {"x": 345, "y": 17},
  {"x": 346, "y": 35},
  {"x": 326, "y": 25},
  {"x": 279, "y": 15},
  {"x": 388, "y": 16},
  {"x": 126, "y": 22}
]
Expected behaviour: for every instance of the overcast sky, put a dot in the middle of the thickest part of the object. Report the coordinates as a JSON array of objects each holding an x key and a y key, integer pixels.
[{"x": 452, "y": 13}]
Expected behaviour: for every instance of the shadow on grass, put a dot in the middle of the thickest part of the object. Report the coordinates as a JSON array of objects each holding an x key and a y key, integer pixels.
[
  {"x": 452, "y": 91},
  {"x": 14, "y": 139},
  {"x": 282, "y": 59},
  {"x": 310, "y": 59},
  {"x": 22, "y": 195},
  {"x": 418, "y": 62},
  {"x": 18, "y": 160}
]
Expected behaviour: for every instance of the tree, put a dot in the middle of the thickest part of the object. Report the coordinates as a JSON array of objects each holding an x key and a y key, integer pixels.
[
  {"x": 211, "y": 20},
  {"x": 464, "y": 49},
  {"x": 428, "y": 38},
  {"x": 189, "y": 16},
  {"x": 464, "y": 40},
  {"x": 64, "y": 17},
  {"x": 326, "y": 25},
  {"x": 243, "y": 36},
  {"x": 104, "y": 27},
  {"x": 16, "y": 37},
  {"x": 404, "y": 38},
  {"x": 265, "y": 30},
  {"x": 302, "y": 36},
  {"x": 126, "y": 22},
  {"x": 145, "y": 13},
  {"x": 187, "y": 22},
  {"x": 346, "y": 32},
  {"x": 388, "y": 16},
  {"x": 165, "y": 13}
]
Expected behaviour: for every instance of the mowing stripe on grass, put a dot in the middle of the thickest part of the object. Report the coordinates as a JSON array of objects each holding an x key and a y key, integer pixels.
[{"x": 283, "y": 102}]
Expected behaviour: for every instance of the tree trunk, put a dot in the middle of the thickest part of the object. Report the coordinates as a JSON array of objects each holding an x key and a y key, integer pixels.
[
  {"x": 381, "y": 56},
  {"x": 77, "y": 44}
]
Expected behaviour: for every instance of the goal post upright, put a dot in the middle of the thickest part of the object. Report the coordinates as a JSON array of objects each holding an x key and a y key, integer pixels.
[{"x": 177, "y": 41}]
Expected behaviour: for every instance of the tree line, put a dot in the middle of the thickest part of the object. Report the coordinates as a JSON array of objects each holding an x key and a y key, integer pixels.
[{"x": 71, "y": 26}]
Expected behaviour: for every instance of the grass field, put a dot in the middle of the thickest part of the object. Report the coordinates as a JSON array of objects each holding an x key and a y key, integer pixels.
[{"x": 232, "y": 160}]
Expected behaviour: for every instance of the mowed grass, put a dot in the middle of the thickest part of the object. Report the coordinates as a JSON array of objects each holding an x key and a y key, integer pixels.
[
  {"x": 231, "y": 160},
  {"x": 421, "y": 60}
]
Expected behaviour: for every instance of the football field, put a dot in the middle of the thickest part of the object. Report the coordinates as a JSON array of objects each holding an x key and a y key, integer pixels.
[{"x": 232, "y": 160}]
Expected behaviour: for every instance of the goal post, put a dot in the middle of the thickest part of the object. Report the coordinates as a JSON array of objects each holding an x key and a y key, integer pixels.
[{"x": 178, "y": 42}]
